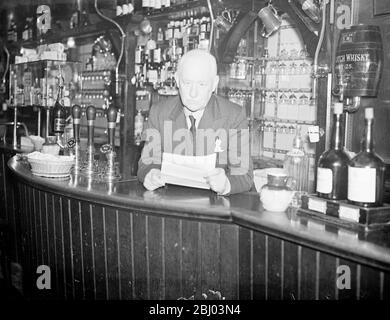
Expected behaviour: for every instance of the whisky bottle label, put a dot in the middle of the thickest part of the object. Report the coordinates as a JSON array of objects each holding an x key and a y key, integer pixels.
[
  {"x": 361, "y": 184},
  {"x": 324, "y": 180}
]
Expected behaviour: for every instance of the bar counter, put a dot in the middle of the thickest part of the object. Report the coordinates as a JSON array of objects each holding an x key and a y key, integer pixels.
[{"x": 120, "y": 241}]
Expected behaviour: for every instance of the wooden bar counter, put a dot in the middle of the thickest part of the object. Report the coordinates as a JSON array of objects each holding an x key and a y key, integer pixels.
[{"x": 119, "y": 241}]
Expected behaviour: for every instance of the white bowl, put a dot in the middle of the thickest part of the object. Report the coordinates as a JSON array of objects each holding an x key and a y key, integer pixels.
[{"x": 46, "y": 165}]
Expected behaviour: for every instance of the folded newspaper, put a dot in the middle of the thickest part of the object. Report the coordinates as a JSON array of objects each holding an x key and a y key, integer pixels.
[{"x": 187, "y": 171}]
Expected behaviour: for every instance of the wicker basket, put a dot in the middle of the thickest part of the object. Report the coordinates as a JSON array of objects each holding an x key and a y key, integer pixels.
[{"x": 52, "y": 168}]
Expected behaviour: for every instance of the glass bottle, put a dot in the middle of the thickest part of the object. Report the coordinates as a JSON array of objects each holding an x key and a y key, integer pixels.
[
  {"x": 366, "y": 170},
  {"x": 332, "y": 168},
  {"x": 138, "y": 127},
  {"x": 59, "y": 113},
  {"x": 296, "y": 164}
]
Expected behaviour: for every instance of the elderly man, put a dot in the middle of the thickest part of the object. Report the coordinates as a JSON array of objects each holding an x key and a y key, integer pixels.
[{"x": 198, "y": 110}]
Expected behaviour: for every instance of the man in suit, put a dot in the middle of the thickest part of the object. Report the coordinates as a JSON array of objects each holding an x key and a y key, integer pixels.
[{"x": 198, "y": 122}]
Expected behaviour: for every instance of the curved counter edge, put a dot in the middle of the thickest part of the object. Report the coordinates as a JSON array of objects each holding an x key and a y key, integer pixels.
[{"x": 242, "y": 209}]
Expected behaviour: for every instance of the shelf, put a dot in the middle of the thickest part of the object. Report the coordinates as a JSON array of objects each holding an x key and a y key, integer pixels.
[
  {"x": 79, "y": 32},
  {"x": 174, "y": 11},
  {"x": 273, "y": 59},
  {"x": 285, "y": 120}
]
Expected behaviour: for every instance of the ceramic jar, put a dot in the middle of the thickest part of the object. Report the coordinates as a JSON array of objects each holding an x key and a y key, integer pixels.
[{"x": 276, "y": 195}]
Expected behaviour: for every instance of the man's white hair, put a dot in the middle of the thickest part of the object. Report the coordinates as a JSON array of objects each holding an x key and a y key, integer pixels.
[{"x": 196, "y": 56}]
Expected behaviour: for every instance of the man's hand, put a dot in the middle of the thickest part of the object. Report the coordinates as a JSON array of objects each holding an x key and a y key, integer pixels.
[
  {"x": 153, "y": 180},
  {"x": 218, "y": 181}
]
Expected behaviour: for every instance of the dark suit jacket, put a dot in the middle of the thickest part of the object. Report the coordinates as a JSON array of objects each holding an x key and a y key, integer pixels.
[{"x": 222, "y": 120}]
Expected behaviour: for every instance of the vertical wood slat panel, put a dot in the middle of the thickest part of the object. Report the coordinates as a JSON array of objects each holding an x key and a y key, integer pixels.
[
  {"x": 29, "y": 245},
  {"x": 38, "y": 225},
  {"x": 77, "y": 249},
  {"x": 59, "y": 245},
  {"x": 34, "y": 234},
  {"x": 125, "y": 254},
  {"x": 229, "y": 261},
  {"x": 173, "y": 258},
  {"x": 352, "y": 293},
  {"x": 369, "y": 283},
  {"x": 22, "y": 235},
  {"x": 13, "y": 215},
  {"x": 290, "y": 271},
  {"x": 99, "y": 252},
  {"x": 328, "y": 276},
  {"x": 52, "y": 249},
  {"x": 259, "y": 271},
  {"x": 44, "y": 229},
  {"x": 190, "y": 258},
  {"x": 87, "y": 248},
  {"x": 274, "y": 283},
  {"x": 245, "y": 262},
  {"x": 3, "y": 188},
  {"x": 386, "y": 286},
  {"x": 155, "y": 243},
  {"x": 111, "y": 238},
  {"x": 308, "y": 274},
  {"x": 140, "y": 256},
  {"x": 210, "y": 250},
  {"x": 68, "y": 248}
]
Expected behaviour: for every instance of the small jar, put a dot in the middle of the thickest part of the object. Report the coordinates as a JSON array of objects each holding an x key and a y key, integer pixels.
[{"x": 276, "y": 196}]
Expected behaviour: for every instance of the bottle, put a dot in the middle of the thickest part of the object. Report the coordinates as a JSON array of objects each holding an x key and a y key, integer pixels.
[
  {"x": 332, "y": 168},
  {"x": 138, "y": 127},
  {"x": 296, "y": 164},
  {"x": 59, "y": 114},
  {"x": 366, "y": 170}
]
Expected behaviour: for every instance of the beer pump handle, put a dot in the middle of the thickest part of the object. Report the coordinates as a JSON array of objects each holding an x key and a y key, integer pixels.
[
  {"x": 91, "y": 116},
  {"x": 76, "y": 114},
  {"x": 111, "y": 123}
]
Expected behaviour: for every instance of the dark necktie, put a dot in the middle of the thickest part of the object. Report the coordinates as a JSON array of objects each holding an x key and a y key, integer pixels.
[{"x": 193, "y": 132}]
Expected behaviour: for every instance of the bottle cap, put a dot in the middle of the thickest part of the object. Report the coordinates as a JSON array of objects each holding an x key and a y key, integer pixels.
[
  {"x": 338, "y": 108},
  {"x": 369, "y": 113}
]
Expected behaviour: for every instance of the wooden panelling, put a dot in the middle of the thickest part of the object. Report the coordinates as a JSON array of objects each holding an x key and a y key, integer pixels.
[
  {"x": 126, "y": 257},
  {"x": 345, "y": 293},
  {"x": 190, "y": 257},
  {"x": 100, "y": 260},
  {"x": 141, "y": 256},
  {"x": 88, "y": 249},
  {"x": 210, "y": 253},
  {"x": 111, "y": 245},
  {"x": 172, "y": 258},
  {"x": 245, "y": 263},
  {"x": 260, "y": 268},
  {"x": 68, "y": 250},
  {"x": 99, "y": 252},
  {"x": 3, "y": 184},
  {"x": 59, "y": 245},
  {"x": 274, "y": 268},
  {"x": 228, "y": 261},
  {"x": 290, "y": 270},
  {"x": 370, "y": 284},
  {"x": 327, "y": 275},
  {"x": 155, "y": 257}
]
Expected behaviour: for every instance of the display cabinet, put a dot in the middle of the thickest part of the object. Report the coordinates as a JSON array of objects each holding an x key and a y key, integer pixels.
[{"x": 36, "y": 83}]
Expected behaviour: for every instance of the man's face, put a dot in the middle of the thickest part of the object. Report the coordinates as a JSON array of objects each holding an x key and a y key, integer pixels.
[{"x": 196, "y": 84}]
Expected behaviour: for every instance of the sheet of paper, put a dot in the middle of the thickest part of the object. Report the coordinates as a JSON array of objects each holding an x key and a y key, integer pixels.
[{"x": 187, "y": 171}]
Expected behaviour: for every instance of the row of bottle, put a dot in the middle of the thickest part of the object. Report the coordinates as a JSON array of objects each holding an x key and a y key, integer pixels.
[
  {"x": 359, "y": 180},
  {"x": 156, "y": 6},
  {"x": 39, "y": 94}
]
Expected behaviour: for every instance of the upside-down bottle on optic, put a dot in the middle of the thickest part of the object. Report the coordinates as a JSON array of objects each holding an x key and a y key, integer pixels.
[
  {"x": 366, "y": 170},
  {"x": 332, "y": 168}
]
